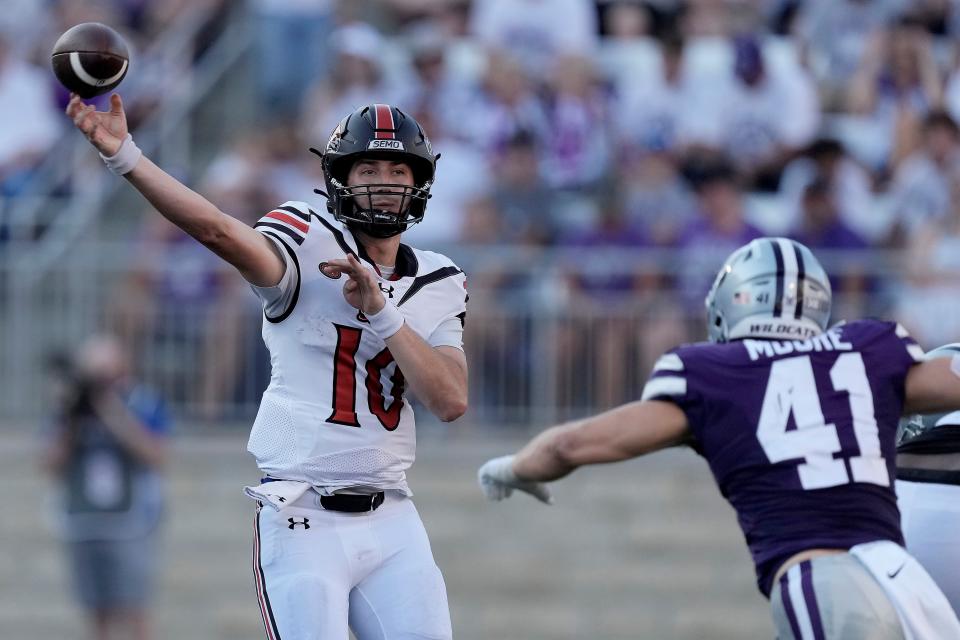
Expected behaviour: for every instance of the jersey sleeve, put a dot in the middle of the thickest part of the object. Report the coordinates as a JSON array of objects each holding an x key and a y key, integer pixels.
[
  {"x": 671, "y": 380},
  {"x": 453, "y": 313},
  {"x": 436, "y": 300},
  {"x": 914, "y": 352},
  {"x": 286, "y": 227}
]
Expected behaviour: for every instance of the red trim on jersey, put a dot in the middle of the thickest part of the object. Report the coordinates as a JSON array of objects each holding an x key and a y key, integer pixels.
[
  {"x": 384, "y": 120},
  {"x": 286, "y": 217}
]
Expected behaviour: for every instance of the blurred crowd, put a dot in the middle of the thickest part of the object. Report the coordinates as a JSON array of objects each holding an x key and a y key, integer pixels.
[{"x": 642, "y": 139}]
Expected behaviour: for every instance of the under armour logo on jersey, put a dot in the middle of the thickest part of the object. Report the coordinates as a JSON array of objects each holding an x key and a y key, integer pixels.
[
  {"x": 386, "y": 290},
  {"x": 304, "y": 522}
]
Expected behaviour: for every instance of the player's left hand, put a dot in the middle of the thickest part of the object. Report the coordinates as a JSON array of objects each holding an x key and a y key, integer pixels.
[
  {"x": 497, "y": 481},
  {"x": 360, "y": 290}
]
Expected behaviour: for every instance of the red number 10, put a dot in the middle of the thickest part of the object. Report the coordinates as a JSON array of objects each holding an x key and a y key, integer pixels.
[{"x": 345, "y": 383}]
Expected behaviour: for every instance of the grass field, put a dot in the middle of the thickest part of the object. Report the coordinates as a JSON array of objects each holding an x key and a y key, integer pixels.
[{"x": 644, "y": 549}]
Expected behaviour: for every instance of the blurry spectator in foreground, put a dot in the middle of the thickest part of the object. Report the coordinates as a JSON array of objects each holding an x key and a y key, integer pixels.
[
  {"x": 526, "y": 203},
  {"x": 827, "y": 158},
  {"x": 663, "y": 110},
  {"x": 822, "y": 230},
  {"x": 897, "y": 84},
  {"x": 577, "y": 151},
  {"x": 24, "y": 139},
  {"x": 291, "y": 48},
  {"x": 536, "y": 31},
  {"x": 930, "y": 299},
  {"x": 719, "y": 228},
  {"x": 833, "y": 36},
  {"x": 921, "y": 189},
  {"x": 657, "y": 199},
  {"x": 625, "y": 20},
  {"x": 107, "y": 450},
  {"x": 357, "y": 76},
  {"x": 435, "y": 83},
  {"x": 508, "y": 106},
  {"x": 596, "y": 341},
  {"x": 764, "y": 116}
]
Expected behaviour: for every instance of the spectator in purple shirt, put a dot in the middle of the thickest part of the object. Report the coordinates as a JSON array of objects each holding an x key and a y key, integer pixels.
[
  {"x": 606, "y": 268},
  {"x": 718, "y": 228}
]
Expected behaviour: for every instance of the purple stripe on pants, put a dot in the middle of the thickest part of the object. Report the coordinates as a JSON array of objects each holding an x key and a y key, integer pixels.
[
  {"x": 788, "y": 607},
  {"x": 806, "y": 583}
]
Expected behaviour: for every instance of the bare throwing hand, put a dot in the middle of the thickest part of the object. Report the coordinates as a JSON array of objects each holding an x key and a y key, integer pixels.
[
  {"x": 361, "y": 289},
  {"x": 104, "y": 129}
]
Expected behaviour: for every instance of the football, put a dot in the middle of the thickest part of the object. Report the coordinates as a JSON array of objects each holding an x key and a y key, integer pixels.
[{"x": 90, "y": 59}]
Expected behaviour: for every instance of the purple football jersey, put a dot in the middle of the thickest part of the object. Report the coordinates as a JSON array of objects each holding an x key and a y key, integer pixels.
[{"x": 799, "y": 434}]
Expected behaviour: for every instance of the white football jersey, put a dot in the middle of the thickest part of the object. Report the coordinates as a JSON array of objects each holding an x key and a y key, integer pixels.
[{"x": 334, "y": 414}]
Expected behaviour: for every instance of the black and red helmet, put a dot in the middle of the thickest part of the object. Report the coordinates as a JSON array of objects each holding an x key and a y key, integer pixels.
[{"x": 378, "y": 131}]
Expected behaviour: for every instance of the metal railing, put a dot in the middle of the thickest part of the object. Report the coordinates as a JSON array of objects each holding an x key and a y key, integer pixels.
[{"x": 539, "y": 350}]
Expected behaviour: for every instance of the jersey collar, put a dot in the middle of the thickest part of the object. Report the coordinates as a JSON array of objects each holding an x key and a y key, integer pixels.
[{"x": 406, "y": 266}]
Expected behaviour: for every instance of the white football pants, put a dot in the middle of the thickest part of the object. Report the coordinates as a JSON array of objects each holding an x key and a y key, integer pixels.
[
  {"x": 318, "y": 571},
  {"x": 930, "y": 516}
]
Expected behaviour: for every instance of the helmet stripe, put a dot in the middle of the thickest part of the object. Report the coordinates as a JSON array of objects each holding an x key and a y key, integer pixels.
[
  {"x": 778, "y": 297},
  {"x": 790, "y": 272},
  {"x": 383, "y": 122},
  {"x": 800, "y": 278}
]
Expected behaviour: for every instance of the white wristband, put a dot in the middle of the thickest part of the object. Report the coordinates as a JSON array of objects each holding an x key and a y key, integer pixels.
[
  {"x": 387, "y": 321},
  {"x": 125, "y": 159}
]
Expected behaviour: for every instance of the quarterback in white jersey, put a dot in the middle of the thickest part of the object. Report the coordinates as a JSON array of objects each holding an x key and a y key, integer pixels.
[
  {"x": 331, "y": 370},
  {"x": 352, "y": 318}
]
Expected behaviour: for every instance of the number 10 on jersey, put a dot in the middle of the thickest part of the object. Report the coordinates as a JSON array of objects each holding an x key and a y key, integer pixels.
[{"x": 345, "y": 383}]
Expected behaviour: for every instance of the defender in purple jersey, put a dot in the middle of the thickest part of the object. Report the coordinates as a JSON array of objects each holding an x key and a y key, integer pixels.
[{"x": 798, "y": 423}]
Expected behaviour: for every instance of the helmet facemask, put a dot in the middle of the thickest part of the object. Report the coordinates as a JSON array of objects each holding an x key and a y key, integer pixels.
[{"x": 355, "y": 206}]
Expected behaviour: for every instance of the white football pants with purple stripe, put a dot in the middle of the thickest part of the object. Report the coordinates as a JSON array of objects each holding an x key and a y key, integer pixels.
[
  {"x": 876, "y": 591},
  {"x": 318, "y": 571},
  {"x": 832, "y": 598}
]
